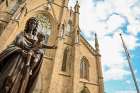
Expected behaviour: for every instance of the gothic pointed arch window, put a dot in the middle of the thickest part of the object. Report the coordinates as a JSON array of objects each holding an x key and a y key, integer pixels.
[
  {"x": 85, "y": 90},
  {"x": 45, "y": 25},
  {"x": 69, "y": 27},
  {"x": 77, "y": 37},
  {"x": 66, "y": 60},
  {"x": 84, "y": 68}
]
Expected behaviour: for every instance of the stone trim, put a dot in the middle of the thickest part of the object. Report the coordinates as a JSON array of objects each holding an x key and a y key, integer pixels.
[
  {"x": 90, "y": 48},
  {"x": 88, "y": 82},
  {"x": 46, "y": 57},
  {"x": 65, "y": 74}
]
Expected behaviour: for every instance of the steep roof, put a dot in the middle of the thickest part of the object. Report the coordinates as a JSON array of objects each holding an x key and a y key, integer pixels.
[{"x": 88, "y": 46}]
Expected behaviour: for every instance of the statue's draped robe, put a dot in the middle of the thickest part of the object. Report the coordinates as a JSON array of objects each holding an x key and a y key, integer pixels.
[{"x": 15, "y": 76}]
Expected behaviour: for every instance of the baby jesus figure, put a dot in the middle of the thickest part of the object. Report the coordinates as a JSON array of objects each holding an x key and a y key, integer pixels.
[
  {"x": 37, "y": 50},
  {"x": 38, "y": 44}
]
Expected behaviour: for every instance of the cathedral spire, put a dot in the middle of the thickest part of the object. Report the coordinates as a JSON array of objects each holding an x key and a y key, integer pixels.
[
  {"x": 76, "y": 14},
  {"x": 76, "y": 7},
  {"x": 96, "y": 43}
]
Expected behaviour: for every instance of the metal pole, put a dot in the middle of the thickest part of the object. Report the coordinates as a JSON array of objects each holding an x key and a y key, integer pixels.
[{"x": 130, "y": 66}]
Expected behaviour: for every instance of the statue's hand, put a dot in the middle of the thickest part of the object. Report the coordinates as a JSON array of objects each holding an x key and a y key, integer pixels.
[
  {"x": 24, "y": 52},
  {"x": 54, "y": 46},
  {"x": 31, "y": 52}
]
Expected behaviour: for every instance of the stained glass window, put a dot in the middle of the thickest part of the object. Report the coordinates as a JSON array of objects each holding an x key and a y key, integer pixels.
[
  {"x": 84, "y": 68},
  {"x": 66, "y": 60}
]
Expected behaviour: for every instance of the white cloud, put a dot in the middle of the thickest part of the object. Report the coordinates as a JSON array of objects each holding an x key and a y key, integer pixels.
[
  {"x": 128, "y": 81},
  {"x": 114, "y": 22},
  {"x": 71, "y": 3},
  {"x": 116, "y": 74},
  {"x": 126, "y": 91},
  {"x": 131, "y": 41},
  {"x": 112, "y": 58},
  {"x": 134, "y": 28},
  {"x": 108, "y": 18},
  {"x": 111, "y": 17}
]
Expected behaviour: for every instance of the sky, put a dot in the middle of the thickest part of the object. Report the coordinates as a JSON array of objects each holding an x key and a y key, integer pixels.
[{"x": 108, "y": 18}]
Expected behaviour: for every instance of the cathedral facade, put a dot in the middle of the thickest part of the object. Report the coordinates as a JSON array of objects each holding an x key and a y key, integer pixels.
[{"x": 75, "y": 66}]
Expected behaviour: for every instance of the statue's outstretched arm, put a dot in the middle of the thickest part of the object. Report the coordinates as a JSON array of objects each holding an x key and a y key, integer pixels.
[{"x": 49, "y": 47}]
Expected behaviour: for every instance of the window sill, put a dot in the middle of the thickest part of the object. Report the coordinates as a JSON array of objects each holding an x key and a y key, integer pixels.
[
  {"x": 68, "y": 35},
  {"x": 88, "y": 82},
  {"x": 84, "y": 80},
  {"x": 65, "y": 74},
  {"x": 46, "y": 57}
]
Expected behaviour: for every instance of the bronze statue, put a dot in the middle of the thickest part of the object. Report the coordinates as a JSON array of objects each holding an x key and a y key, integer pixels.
[{"x": 21, "y": 61}]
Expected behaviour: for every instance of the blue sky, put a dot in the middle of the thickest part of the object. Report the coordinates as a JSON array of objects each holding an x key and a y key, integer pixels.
[{"x": 108, "y": 18}]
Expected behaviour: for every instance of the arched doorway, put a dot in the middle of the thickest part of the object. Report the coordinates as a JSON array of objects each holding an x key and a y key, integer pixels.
[{"x": 85, "y": 90}]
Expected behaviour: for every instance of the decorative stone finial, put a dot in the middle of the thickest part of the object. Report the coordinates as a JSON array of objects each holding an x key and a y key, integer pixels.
[
  {"x": 76, "y": 7},
  {"x": 96, "y": 43}
]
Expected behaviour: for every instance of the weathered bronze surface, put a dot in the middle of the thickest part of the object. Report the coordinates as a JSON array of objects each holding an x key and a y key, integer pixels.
[{"x": 21, "y": 61}]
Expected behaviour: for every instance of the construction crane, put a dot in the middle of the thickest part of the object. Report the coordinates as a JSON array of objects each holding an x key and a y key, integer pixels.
[{"x": 129, "y": 62}]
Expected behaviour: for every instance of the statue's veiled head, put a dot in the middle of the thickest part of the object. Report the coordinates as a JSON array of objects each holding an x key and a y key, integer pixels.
[{"x": 31, "y": 25}]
